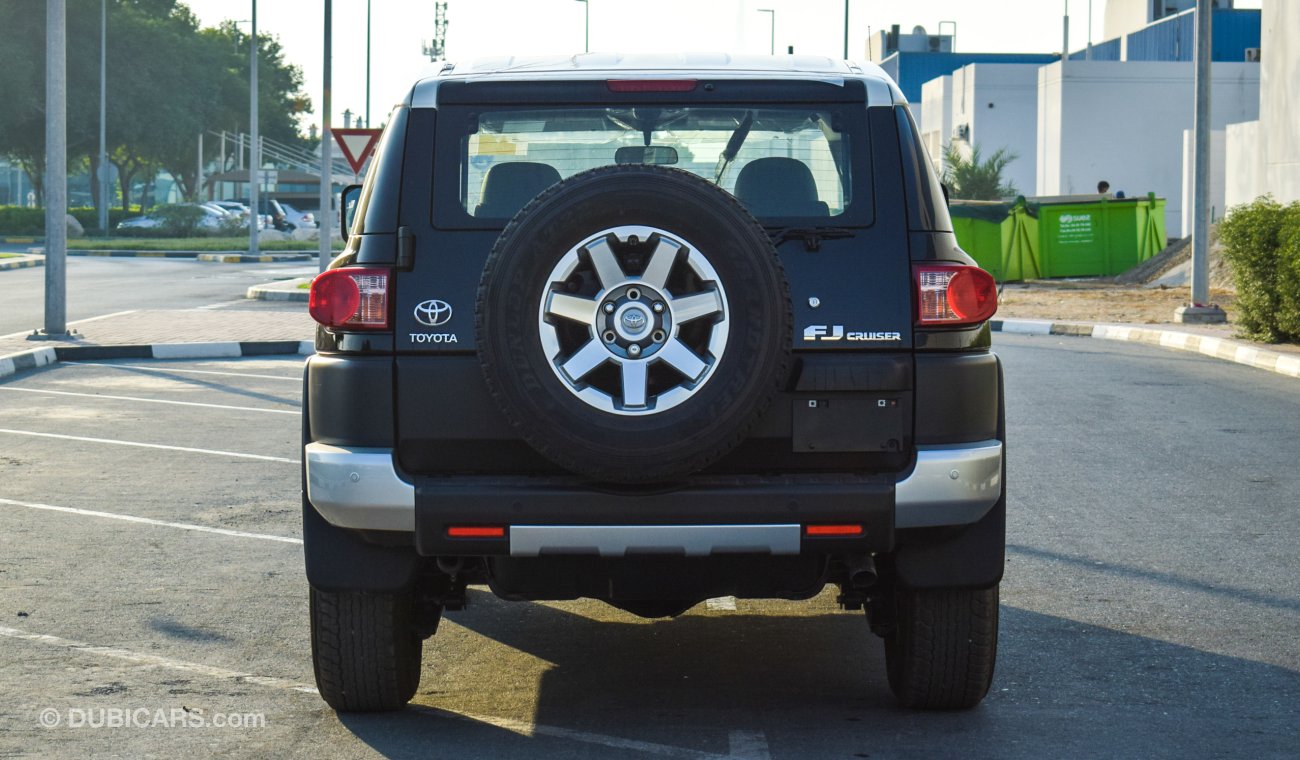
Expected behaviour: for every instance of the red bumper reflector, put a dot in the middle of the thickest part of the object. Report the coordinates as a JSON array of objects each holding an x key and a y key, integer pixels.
[
  {"x": 476, "y": 531},
  {"x": 832, "y": 530},
  {"x": 650, "y": 85}
]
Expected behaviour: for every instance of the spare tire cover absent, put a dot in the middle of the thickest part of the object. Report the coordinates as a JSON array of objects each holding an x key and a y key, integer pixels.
[{"x": 633, "y": 323}]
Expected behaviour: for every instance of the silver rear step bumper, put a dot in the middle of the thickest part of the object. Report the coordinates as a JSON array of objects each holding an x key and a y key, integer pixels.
[{"x": 360, "y": 488}]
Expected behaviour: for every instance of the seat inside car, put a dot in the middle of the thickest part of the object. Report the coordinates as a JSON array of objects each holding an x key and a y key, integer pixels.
[
  {"x": 779, "y": 186},
  {"x": 507, "y": 187}
]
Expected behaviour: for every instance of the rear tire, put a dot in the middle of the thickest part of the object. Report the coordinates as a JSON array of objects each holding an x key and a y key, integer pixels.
[
  {"x": 365, "y": 649},
  {"x": 941, "y": 652}
]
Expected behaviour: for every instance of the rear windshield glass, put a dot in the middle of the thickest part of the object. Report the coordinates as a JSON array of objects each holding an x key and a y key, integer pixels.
[{"x": 786, "y": 164}]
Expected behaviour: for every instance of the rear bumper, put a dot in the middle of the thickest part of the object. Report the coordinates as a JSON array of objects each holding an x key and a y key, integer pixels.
[{"x": 360, "y": 488}]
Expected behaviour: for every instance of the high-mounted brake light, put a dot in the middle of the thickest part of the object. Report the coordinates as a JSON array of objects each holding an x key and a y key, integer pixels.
[
  {"x": 952, "y": 295},
  {"x": 350, "y": 299},
  {"x": 650, "y": 85}
]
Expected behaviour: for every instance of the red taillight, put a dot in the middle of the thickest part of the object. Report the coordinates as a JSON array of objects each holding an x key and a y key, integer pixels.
[
  {"x": 843, "y": 531},
  {"x": 650, "y": 85},
  {"x": 350, "y": 298},
  {"x": 950, "y": 295},
  {"x": 476, "y": 531}
]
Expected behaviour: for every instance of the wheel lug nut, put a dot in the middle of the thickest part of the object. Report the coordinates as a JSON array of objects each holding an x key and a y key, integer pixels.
[
  {"x": 634, "y": 350},
  {"x": 609, "y": 308},
  {"x": 658, "y": 307}
]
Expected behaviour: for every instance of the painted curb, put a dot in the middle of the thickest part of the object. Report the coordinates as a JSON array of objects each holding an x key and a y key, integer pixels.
[
  {"x": 220, "y": 257},
  {"x": 1239, "y": 352},
  {"x": 45, "y": 355},
  {"x": 20, "y": 240},
  {"x": 275, "y": 292},
  {"x": 22, "y": 263},
  {"x": 244, "y": 258}
]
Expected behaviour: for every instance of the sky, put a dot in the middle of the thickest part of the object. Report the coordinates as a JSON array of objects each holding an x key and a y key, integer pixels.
[{"x": 485, "y": 28}]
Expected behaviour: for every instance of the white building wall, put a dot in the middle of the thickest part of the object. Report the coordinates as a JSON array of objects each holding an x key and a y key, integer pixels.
[
  {"x": 1279, "y": 110},
  {"x": 1243, "y": 164},
  {"x": 1122, "y": 121},
  {"x": 936, "y": 115},
  {"x": 1217, "y": 186},
  {"x": 999, "y": 102}
]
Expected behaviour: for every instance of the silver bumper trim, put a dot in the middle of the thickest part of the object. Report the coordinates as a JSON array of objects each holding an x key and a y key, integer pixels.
[
  {"x": 359, "y": 488},
  {"x": 680, "y": 540},
  {"x": 951, "y": 485}
]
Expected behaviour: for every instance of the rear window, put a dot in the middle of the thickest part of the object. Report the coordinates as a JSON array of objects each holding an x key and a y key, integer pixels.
[{"x": 786, "y": 164}]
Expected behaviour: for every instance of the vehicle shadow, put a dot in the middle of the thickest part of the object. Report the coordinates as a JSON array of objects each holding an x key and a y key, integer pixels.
[{"x": 814, "y": 686}]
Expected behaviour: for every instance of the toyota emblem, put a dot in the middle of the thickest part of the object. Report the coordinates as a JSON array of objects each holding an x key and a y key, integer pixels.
[{"x": 433, "y": 313}]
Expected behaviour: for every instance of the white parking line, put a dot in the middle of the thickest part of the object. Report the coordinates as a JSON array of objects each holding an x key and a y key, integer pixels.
[
  {"x": 151, "y": 446},
  {"x": 153, "y": 400},
  {"x": 76, "y": 322},
  {"x": 155, "y": 661},
  {"x": 738, "y": 740},
  {"x": 724, "y": 603},
  {"x": 749, "y": 745},
  {"x": 169, "y": 368},
  {"x": 151, "y": 521}
]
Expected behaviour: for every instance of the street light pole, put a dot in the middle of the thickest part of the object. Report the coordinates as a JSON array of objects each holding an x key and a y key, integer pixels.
[
  {"x": 325, "y": 229},
  {"x": 368, "y": 61},
  {"x": 103, "y": 100},
  {"x": 846, "y": 30},
  {"x": 1201, "y": 310},
  {"x": 56, "y": 170},
  {"x": 255, "y": 148},
  {"x": 586, "y": 26},
  {"x": 771, "y": 43}
]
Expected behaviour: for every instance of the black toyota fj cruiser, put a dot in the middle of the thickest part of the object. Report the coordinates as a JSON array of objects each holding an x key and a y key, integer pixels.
[{"x": 653, "y": 331}]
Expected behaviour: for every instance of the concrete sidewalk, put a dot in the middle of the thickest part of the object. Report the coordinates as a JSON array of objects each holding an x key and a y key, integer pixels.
[{"x": 179, "y": 333}]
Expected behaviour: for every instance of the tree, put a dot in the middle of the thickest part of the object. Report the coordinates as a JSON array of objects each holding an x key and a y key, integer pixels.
[
  {"x": 975, "y": 179},
  {"x": 168, "y": 81}
]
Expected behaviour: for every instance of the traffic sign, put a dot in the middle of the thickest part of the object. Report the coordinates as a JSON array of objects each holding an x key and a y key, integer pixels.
[{"x": 357, "y": 145}]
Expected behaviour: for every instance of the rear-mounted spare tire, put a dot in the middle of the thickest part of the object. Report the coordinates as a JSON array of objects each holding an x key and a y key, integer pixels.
[{"x": 633, "y": 323}]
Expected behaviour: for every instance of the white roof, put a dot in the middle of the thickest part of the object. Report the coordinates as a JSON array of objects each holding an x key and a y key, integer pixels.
[{"x": 881, "y": 89}]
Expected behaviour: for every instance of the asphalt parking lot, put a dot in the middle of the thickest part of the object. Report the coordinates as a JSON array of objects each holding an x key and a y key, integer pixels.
[{"x": 150, "y": 564}]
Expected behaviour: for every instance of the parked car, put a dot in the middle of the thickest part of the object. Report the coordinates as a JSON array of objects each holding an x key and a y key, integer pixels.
[
  {"x": 298, "y": 219},
  {"x": 605, "y": 364},
  {"x": 273, "y": 212},
  {"x": 213, "y": 218}
]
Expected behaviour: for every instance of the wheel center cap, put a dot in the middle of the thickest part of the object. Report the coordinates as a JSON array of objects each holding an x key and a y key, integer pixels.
[
  {"x": 635, "y": 321},
  {"x": 632, "y": 322}
]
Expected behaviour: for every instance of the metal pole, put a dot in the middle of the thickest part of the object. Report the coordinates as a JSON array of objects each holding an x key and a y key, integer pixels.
[
  {"x": 1201, "y": 162},
  {"x": 846, "y": 30},
  {"x": 1087, "y": 53},
  {"x": 198, "y": 182},
  {"x": 254, "y": 145},
  {"x": 367, "y": 63},
  {"x": 1065, "y": 37},
  {"x": 56, "y": 169},
  {"x": 103, "y": 89},
  {"x": 771, "y": 43},
  {"x": 324, "y": 218}
]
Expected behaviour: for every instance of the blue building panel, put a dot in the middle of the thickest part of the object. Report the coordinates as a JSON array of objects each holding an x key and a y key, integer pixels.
[
  {"x": 1104, "y": 51},
  {"x": 911, "y": 70},
  {"x": 1174, "y": 38}
]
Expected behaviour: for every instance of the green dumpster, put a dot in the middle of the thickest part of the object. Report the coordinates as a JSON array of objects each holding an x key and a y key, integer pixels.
[
  {"x": 1060, "y": 237},
  {"x": 1001, "y": 237}
]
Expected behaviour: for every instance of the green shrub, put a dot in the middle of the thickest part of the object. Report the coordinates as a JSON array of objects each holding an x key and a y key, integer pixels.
[
  {"x": 1288, "y": 275},
  {"x": 1262, "y": 242},
  {"x": 20, "y": 220}
]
